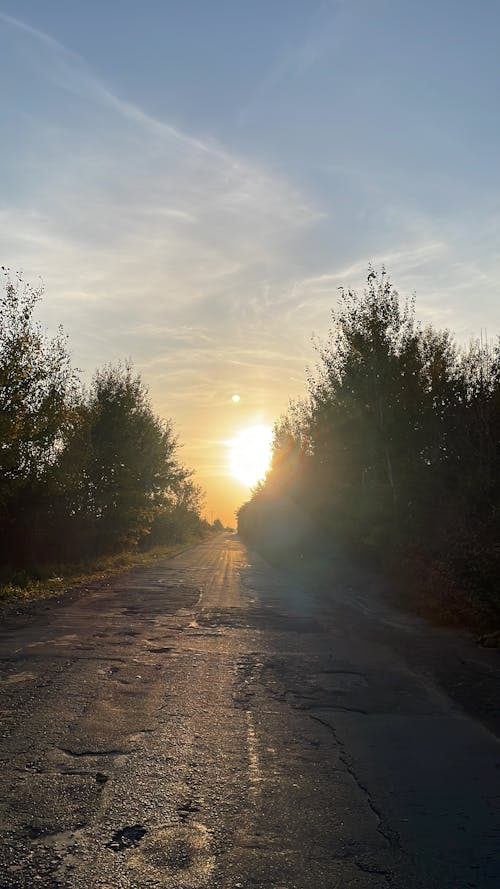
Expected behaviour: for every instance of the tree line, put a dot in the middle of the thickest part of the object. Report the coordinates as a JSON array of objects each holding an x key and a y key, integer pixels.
[
  {"x": 394, "y": 455},
  {"x": 84, "y": 471}
]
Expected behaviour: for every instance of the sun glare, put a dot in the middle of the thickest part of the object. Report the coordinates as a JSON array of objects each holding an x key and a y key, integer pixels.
[{"x": 251, "y": 454}]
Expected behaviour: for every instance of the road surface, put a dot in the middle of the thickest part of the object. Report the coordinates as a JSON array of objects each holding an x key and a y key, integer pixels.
[{"x": 212, "y": 722}]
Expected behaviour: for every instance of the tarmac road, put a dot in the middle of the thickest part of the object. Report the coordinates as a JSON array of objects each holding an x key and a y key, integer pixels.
[{"x": 212, "y": 722}]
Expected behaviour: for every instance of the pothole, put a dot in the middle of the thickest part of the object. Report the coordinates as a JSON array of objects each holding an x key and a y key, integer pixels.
[
  {"x": 175, "y": 856},
  {"x": 25, "y": 676},
  {"x": 112, "y": 751},
  {"x": 342, "y": 680},
  {"x": 187, "y": 809},
  {"x": 126, "y": 838}
]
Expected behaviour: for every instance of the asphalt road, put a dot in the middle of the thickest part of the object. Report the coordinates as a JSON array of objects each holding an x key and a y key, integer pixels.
[{"x": 212, "y": 722}]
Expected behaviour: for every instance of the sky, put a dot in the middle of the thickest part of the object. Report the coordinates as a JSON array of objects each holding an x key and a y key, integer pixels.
[{"x": 192, "y": 182}]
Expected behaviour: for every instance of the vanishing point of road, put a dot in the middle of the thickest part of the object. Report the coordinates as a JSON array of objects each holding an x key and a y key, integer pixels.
[{"x": 211, "y": 721}]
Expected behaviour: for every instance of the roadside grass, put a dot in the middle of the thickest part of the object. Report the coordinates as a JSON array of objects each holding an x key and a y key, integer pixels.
[
  {"x": 416, "y": 588},
  {"x": 44, "y": 581},
  {"x": 430, "y": 591}
]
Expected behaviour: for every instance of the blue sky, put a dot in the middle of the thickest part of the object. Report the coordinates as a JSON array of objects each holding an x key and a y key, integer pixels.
[{"x": 194, "y": 180}]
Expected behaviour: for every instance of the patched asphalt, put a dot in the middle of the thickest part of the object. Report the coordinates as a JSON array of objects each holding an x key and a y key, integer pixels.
[{"x": 212, "y": 722}]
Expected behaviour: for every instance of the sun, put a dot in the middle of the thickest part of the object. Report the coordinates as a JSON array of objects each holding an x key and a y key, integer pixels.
[{"x": 251, "y": 454}]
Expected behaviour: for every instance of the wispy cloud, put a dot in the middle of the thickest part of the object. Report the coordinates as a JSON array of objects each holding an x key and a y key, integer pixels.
[
  {"x": 157, "y": 242},
  {"x": 324, "y": 32},
  {"x": 70, "y": 72},
  {"x": 410, "y": 258},
  {"x": 148, "y": 209},
  {"x": 153, "y": 243}
]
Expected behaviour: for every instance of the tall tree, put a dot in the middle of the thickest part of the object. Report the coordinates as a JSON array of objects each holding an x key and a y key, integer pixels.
[
  {"x": 133, "y": 465},
  {"x": 37, "y": 386}
]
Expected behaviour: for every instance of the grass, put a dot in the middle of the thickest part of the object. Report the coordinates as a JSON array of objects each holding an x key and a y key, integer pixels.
[
  {"x": 422, "y": 588},
  {"x": 44, "y": 581},
  {"x": 430, "y": 590}
]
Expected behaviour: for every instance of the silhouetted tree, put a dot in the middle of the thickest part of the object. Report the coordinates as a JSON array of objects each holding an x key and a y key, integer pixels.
[
  {"x": 37, "y": 386},
  {"x": 395, "y": 455},
  {"x": 81, "y": 472}
]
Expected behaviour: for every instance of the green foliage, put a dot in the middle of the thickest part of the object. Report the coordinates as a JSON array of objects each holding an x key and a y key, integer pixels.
[
  {"x": 36, "y": 387},
  {"x": 395, "y": 454},
  {"x": 132, "y": 465},
  {"x": 178, "y": 516},
  {"x": 81, "y": 472}
]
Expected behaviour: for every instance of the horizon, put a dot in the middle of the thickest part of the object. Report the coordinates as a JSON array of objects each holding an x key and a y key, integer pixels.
[{"x": 192, "y": 186}]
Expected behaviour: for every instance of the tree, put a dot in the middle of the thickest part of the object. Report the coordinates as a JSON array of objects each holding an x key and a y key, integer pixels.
[
  {"x": 81, "y": 471},
  {"x": 37, "y": 387},
  {"x": 396, "y": 453},
  {"x": 180, "y": 515},
  {"x": 133, "y": 466}
]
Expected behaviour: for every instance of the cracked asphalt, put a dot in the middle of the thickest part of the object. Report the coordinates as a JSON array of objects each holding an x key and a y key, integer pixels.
[{"x": 211, "y": 721}]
